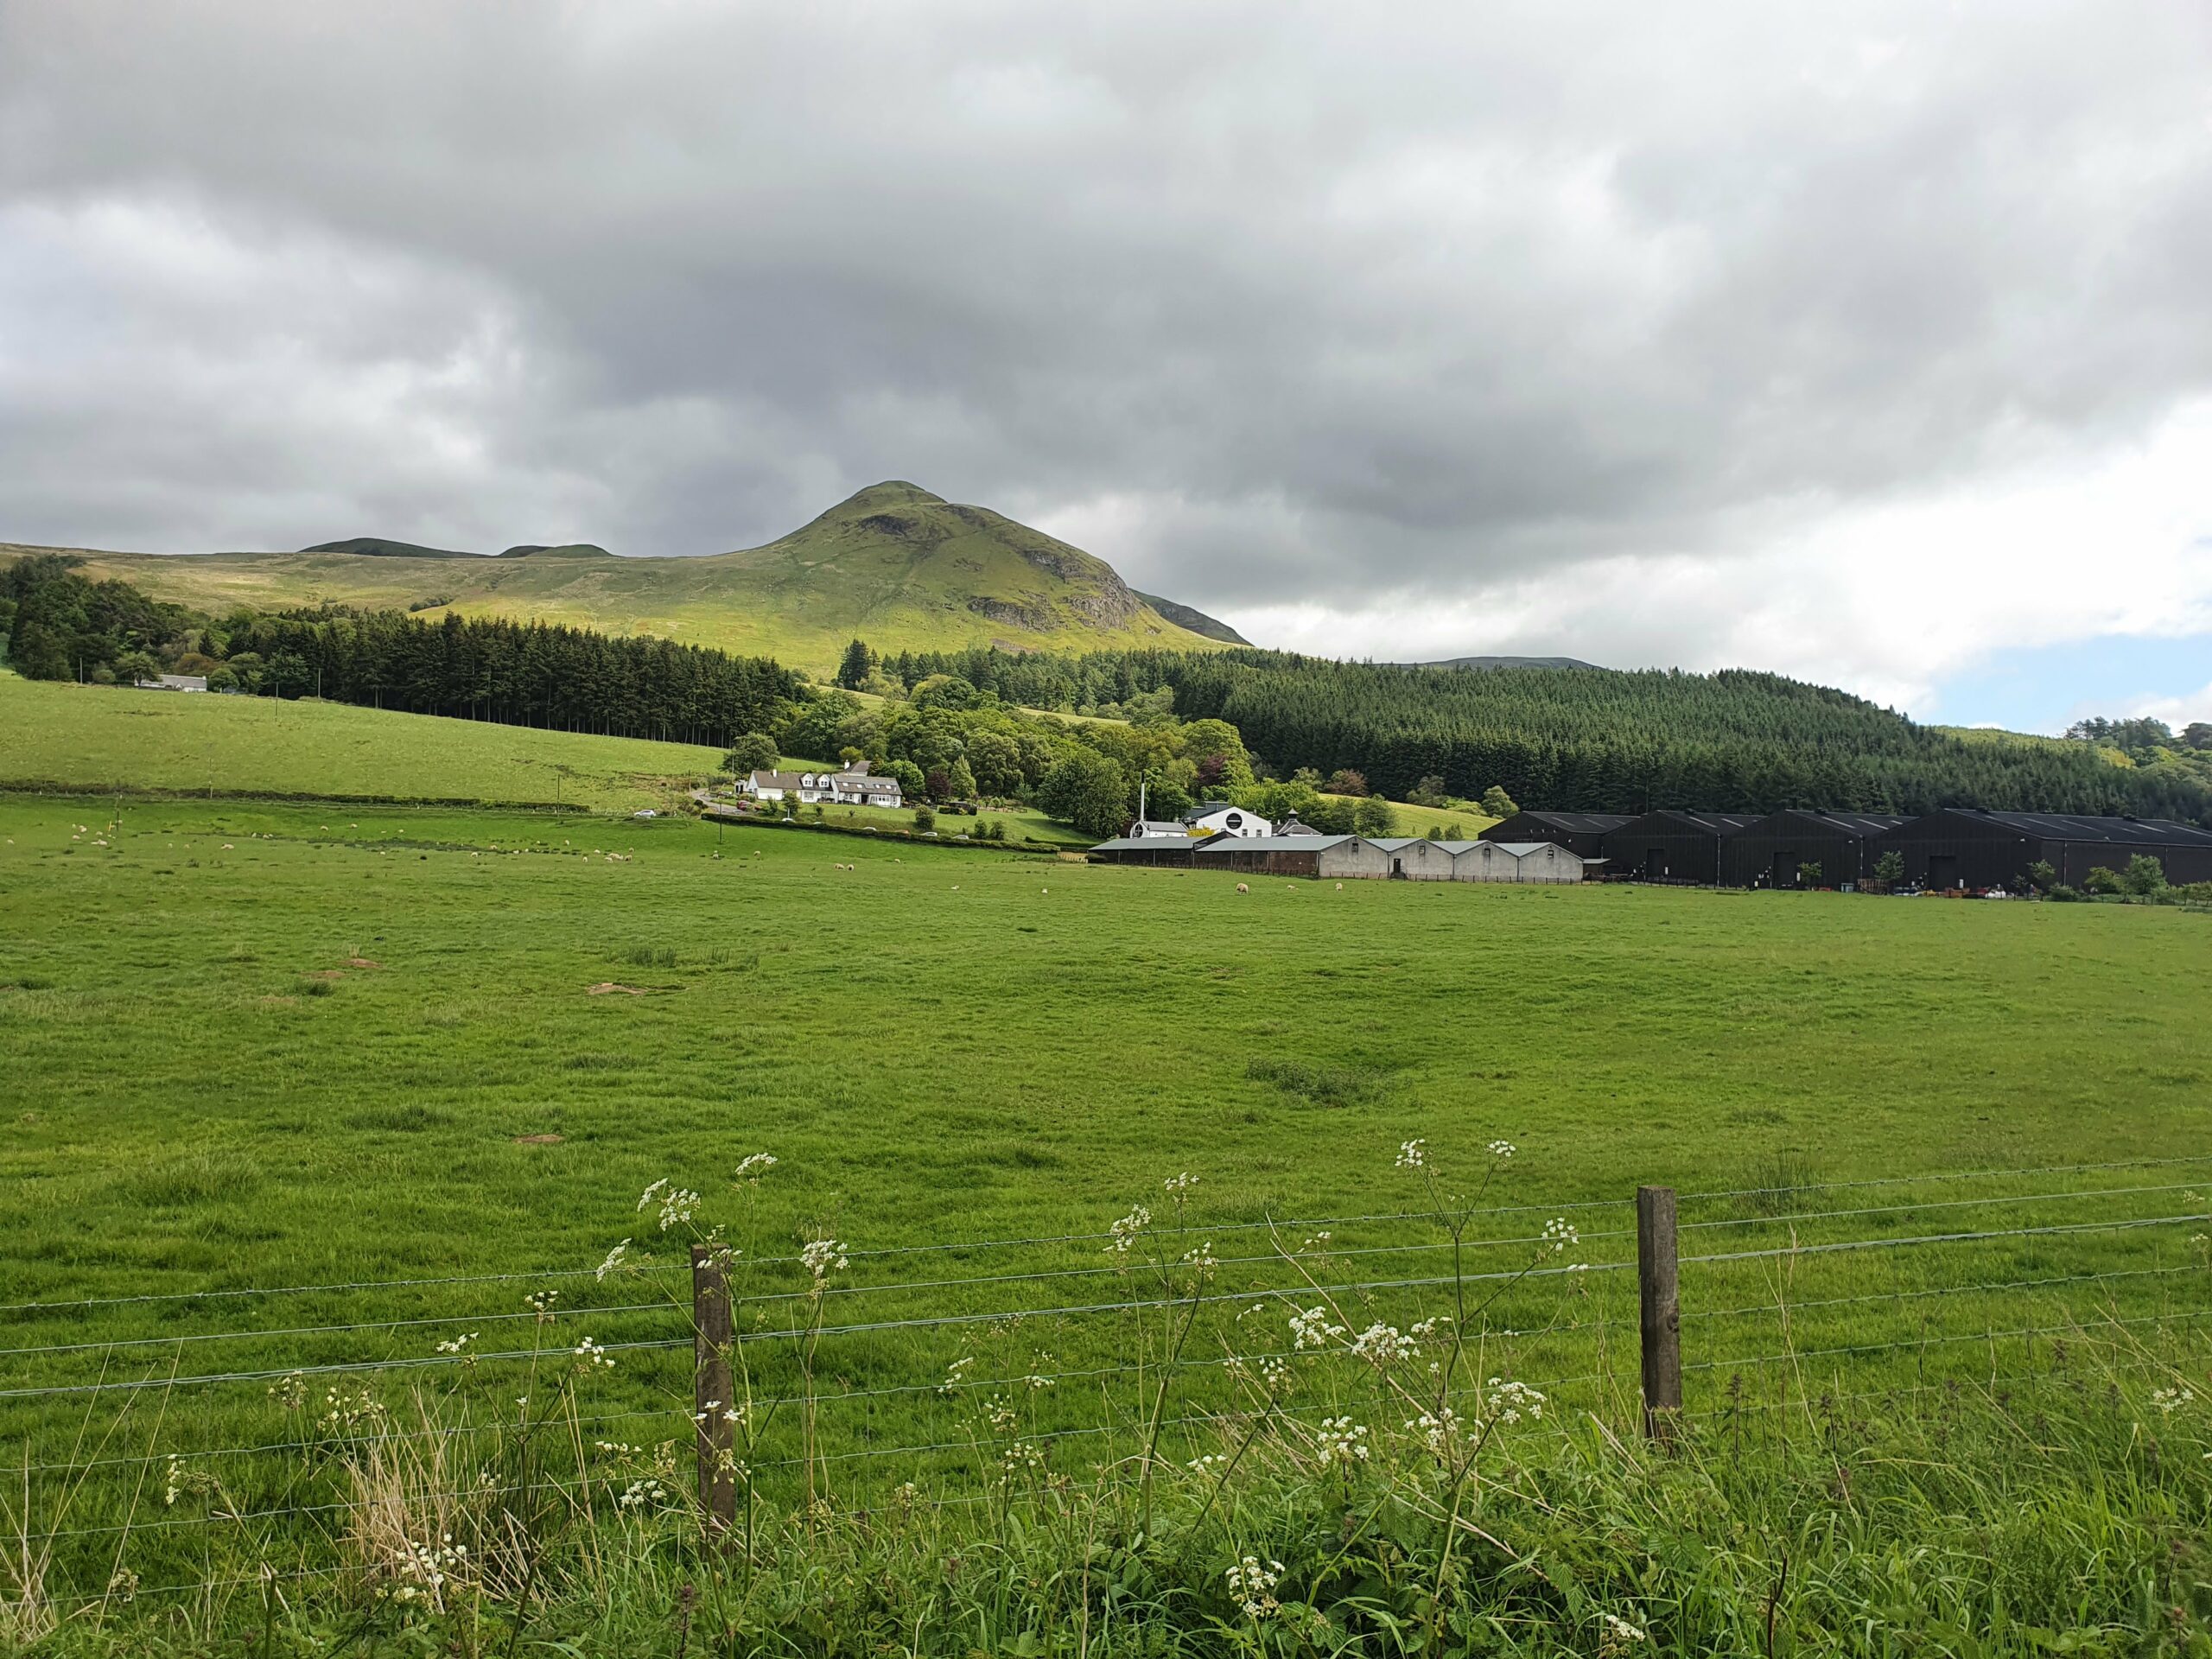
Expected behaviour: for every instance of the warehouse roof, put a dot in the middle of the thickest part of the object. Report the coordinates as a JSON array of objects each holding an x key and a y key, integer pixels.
[
  {"x": 1847, "y": 823},
  {"x": 2068, "y": 826},
  {"x": 1583, "y": 823},
  {"x": 1312, "y": 842},
  {"x": 1711, "y": 824}
]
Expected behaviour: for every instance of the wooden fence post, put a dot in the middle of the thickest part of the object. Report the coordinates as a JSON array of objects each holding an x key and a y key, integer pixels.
[
  {"x": 1662, "y": 1310},
  {"x": 710, "y": 1390}
]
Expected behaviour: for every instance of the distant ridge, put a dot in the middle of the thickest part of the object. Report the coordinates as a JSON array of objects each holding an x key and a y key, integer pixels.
[
  {"x": 1189, "y": 616},
  {"x": 1508, "y": 662},
  {"x": 376, "y": 547},
  {"x": 893, "y": 564}
]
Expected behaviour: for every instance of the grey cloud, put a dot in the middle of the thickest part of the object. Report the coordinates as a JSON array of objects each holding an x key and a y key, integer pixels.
[{"x": 1320, "y": 300}]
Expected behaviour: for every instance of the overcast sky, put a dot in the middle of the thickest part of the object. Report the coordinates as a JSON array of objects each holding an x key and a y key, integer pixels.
[{"x": 1868, "y": 342}]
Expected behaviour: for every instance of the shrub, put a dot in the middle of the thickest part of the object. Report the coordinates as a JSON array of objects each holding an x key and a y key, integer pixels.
[
  {"x": 753, "y": 751},
  {"x": 1429, "y": 791},
  {"x": 2145, "y": 876},
  {"x": 924, "y": 820},
  {"x": 2101, "y": 880},
  {"x": 1345, "y": 781}
]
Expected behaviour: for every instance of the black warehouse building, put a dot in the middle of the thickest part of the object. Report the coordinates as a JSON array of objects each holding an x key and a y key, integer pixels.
[
  {"x": 1672, "y": 846},
  {"x": 1771, "y": 852},
  {"x": 1578, "y": 832},
  {"x": 1977, "y": 849}
]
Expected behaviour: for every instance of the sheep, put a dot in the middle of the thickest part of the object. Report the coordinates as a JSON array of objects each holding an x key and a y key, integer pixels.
[{"x": 1241, "y": 887}]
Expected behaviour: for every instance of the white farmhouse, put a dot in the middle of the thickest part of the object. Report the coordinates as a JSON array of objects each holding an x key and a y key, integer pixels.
[{"x": 836, "y": 788}]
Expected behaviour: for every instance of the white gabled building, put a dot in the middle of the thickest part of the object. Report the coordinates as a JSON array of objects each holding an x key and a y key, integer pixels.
[
  {"x": 1220, "y": 818},
  {"x": 836, "y": 788},
  {"x": 1156, "y": 830}
]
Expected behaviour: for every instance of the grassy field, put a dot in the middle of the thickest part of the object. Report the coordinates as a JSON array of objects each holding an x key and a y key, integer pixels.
[
  {"x": 256, "y": 1046},
  {"x": 90, "y": 737}
]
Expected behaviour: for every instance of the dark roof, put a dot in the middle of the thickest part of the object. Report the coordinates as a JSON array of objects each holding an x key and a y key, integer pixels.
[
  {"x": 1708, "y": 824},
  {"x": 1841, "y": 824},
  {"x": 1579, "y": 823},
  {"x": 1207, "y": 809},
  {"x": 2068, "y": 826},
  {"x": 1312, "y": 840}
]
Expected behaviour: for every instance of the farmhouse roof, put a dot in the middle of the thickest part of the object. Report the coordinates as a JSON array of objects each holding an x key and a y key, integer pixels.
[{"x": 780, "y": 780}]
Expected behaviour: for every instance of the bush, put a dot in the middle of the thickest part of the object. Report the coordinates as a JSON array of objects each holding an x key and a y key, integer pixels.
[
  {"x": 1497, "y": 804},
  {"x": 2041, "y": 876},
  {"x": 2146, "y": 875},
  {"x": 2065, "y": 894},
  {"x": 2101, "y": 880},
  {"x": 924, "y": 820},
  {"x": 1809, "y": 875},
  {"x": 1345, "y": 781},
  {"x": 1429, "y": 791}
]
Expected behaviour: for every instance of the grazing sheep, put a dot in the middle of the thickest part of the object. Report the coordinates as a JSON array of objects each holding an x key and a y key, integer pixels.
[{"x": 1241, "y": 887}]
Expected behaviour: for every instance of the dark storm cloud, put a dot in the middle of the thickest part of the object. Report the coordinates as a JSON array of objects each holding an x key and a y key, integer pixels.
[{"x": 1289, "y": 304}]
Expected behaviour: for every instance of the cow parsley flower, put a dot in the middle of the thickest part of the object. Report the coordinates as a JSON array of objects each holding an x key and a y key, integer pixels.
[
  {"x": 1501, "y": 1150},
  {"x": 1558, "y": 1234},
  {"x": 2170, "y": 1401},
  {"x": 750, "y": 1171},
  {"x": 1311, "y": 1329},
  {"x": 823, "y": 1257},
  {"x": 1436, "y": 1430},
  {"x": 1509, "y": 1401},
  {"x": 458, "y": 1345},
  {"x": 1342, "y": 1442},
  {"x": 1251, "y": 1586},
  {"x": 592, "y": 1356},
  {"x": 613, "y": 1260},
  {"x": 1413, "y": 1154},
  {"x": 1122, "y": 1235},
  {"x": 1382, "y": 1344}
]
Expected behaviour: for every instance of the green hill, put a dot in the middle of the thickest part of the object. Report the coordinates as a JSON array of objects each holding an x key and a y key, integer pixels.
[
  {"x": 97, "y": 738},
  {"x": 895, "y": 564}
]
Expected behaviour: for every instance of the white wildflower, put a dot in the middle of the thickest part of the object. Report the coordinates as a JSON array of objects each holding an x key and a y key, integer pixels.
[
  {"x": 1413, "y": 1154},
  {"x": 1251, "y": 1586},
  {"x": 1616, "y": 1633},
  {"x": 823, "y": 1257},
  {"x": 1510, "y": 1402},
  {"x": 2170, "y": 1401},
  {"x": 1122, "y": 1236},
  {"x": 615, "y": 1258},
  {"x": 1177, "y": 1185},
  {"x": 1501, "y": 1150},
  {"x": 750, "y": 1171},
  {"x": 1436, "y": 1430},
  {"x": 592, "y": 1356},
  {"x": 459, "y": 1345},
  {"x": 678, "y": 1205},
  {"x": 1342, "y": 1442},
  {"x": 956, "y": 1373},
  {"x": 1559, "y": 1233},
  {"x": 1311, "y": 1329},
  {"x": 1382, "y": 1344},
  {"x": 1202, "y": 1258}
]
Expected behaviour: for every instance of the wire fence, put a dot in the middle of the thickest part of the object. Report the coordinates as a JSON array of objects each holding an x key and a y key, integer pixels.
[{"x": 951, "y": 1368}]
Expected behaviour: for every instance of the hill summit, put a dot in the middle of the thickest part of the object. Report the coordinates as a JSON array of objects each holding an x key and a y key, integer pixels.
[{"x": 894, "y": 564}]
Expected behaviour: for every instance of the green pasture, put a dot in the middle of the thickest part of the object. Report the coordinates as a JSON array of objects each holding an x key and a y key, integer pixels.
[
  {"x": 264, "y": 1044},
  {"x": 92, "y": 737}
]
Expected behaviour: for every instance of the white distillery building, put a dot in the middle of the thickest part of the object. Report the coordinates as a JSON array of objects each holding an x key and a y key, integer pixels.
[{"x": 1220, "y": 818}]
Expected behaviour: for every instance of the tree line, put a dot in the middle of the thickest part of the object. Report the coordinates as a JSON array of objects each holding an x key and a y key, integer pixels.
[
  {"x": 1584, "y": 740},
  {"x": 59, "y": 625}
]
